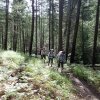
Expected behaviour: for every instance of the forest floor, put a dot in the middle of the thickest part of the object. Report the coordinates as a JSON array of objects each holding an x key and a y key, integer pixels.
[
  {"x": 34, "y": 80},
  {"x": 84, "y": 90}
]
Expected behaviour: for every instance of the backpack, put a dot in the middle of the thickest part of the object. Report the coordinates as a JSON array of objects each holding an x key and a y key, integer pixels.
[
  {"x": 61, "y": 57},
  {"x": 43, "y": 52},
  {"x": 51, "y": 55}
]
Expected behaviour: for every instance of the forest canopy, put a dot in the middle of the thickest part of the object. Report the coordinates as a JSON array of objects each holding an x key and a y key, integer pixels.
[{"x": 69, "y": 25}]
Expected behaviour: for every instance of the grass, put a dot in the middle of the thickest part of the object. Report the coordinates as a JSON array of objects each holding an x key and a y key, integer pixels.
[
  {"x": 88, "y": 74},
  {"x": 54, "y": 84},
  {"x": 57, "y": 85},
  {"x": 11, "y": 56},
  {"x": 49, "y": 83}
]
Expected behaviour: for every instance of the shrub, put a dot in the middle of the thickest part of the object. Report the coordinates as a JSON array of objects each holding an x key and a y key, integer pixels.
[{"x": 12, "y": 56}]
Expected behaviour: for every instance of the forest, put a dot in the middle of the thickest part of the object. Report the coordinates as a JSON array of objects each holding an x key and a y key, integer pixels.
[{"x": 35, "y": 34}]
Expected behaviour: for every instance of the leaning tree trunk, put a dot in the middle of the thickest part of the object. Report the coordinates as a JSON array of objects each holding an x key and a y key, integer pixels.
[
  {"x": 72, "y": 59},
  {"x": 95, "y": 35}
]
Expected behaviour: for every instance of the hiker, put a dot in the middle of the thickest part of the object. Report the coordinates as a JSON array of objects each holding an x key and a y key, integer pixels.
[
  {"x": 50, "y": 57},
  {"x": 43, "y": 54},
  {"x": 9, "y": 48},
  {"x": 61, "y": 59}
]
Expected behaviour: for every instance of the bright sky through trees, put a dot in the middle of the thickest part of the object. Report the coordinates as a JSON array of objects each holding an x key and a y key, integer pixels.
[{"x": 11, "y": 1}]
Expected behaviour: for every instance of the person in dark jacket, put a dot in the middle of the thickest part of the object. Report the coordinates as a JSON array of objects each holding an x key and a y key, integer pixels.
[
  {"x": 61, "y": 59},
  {"x": 50, "y": 57}
]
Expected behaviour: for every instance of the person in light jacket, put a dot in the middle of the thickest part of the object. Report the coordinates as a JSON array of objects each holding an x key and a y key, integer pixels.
[{"x": 61, "y": 59}]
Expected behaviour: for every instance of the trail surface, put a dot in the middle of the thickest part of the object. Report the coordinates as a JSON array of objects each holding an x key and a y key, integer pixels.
[{"x": 83, "y": 89}]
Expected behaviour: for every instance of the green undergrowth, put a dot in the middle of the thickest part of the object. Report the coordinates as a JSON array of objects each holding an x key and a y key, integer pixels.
[
  {"x": 12, "y": 56},
  {"x": 57, "y": 85},
  {"x": 87, "y": 74},
  {"x": 39, "y": 80},
  {"x": 11, "y": 59}
]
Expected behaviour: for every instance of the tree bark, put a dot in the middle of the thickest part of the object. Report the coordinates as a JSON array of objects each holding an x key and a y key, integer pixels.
[
  {"x": 49, "y": 24},
  {"x": 95, "y": 35},
  {"x": 32, "y": 30},
  {"x": 69, "y": 26},
  {"x": 52, "y": 24},
  {"x": 72, "y": 59},
  {"x": 82, "y": 36},
  {"x": 60, "y": 42},
  {"x": 6, "y": 28},
  {"x": 36, "y": 30}
]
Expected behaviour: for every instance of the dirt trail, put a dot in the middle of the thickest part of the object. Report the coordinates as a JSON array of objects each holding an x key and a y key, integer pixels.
[{"x": 84, "y": 91}]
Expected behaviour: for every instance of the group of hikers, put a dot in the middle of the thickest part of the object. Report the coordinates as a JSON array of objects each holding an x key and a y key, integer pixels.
[{"x": 51, "y": 55}]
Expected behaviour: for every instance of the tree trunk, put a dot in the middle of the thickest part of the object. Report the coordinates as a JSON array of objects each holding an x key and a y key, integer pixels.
[
  {"x": 15, "y": 36},
  {"x": 1, "y": 37},
  {"x": 36, "y": 30},
  {"x": 61, "y": 3},
  {"x": 41, "y": 35},
  {"x": 72, "y": 60},
  {"x": 69, "y": 26},
  {"x": 6, "y": 28},
  {"x": 40, "y": 31},
  {"x": 23, "y": 38},
  {"x": 49, "y": 24},
  {"x": 95, "y": 35},
  {"x": 32, "y": 30},
  {"x": 20, "y": 36},
  {"x": 82, "y": 36},
  {"x": 52, "y": 24},
  {"x": 41, "y": 28}
]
